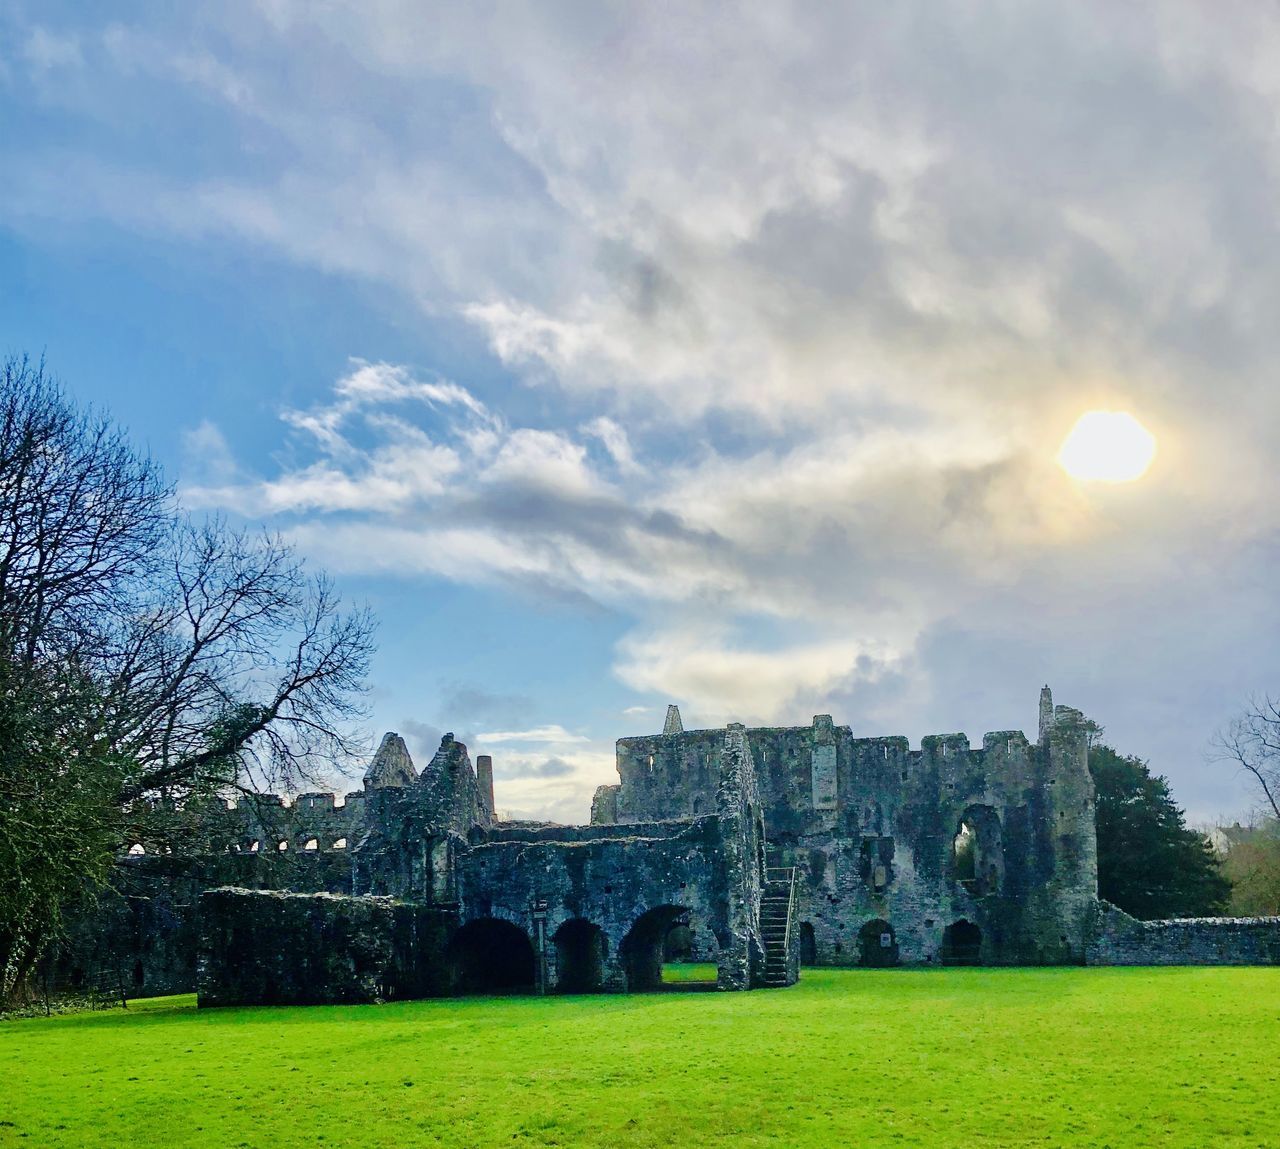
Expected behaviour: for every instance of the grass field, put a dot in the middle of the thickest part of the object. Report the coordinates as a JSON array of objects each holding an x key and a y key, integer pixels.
[{"x": 964, "y": 1057}]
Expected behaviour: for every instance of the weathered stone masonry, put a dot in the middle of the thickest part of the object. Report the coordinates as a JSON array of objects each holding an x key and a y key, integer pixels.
[
  {"x": 871, "y": 825},
  {"x": 514, "y": 905},
  {"x": 755, "y": 848}
]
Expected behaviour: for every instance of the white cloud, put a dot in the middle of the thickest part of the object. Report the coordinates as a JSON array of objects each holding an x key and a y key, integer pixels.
[
  {"x": 46, "y": 50},
  {"x": 726, "y": 681},
  {"x": 553, "y": 734},
  {"x": 804, "y": 302}
]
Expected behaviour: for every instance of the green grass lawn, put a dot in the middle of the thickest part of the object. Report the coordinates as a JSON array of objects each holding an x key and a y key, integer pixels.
[
  {"x": 680, "y": 973},
  {"x": 1118, "y": 1057}
]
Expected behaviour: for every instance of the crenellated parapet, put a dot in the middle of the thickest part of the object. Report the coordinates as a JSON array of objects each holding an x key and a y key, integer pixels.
[
  {"x": 254, "y": 823},
  {"x": 897, "y": 844}
]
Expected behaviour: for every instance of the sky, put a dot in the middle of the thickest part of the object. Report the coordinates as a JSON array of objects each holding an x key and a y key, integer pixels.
[{"x": 621, "y": 354}]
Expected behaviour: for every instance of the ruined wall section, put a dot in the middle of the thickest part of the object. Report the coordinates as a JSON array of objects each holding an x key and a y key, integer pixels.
[
  {"x": 254, "y": 823},
  {"x": 1067, "y": 899},
  {"x": 742, "y": 829},
  {"x": 142, "y": 931},
  {"x": 879, "y": 875},
  {"x": 871, "y": 824},
  {"x": 416, "y": 832},
  {"x": 259, "y": 948},
  {"x": 604, "y": 805},
  {"x": 631, "y": 877},
  {"x": 1118, "y": 939},
  {"x": 665, "y": 776},
  {"x": 543, "y": 880}
]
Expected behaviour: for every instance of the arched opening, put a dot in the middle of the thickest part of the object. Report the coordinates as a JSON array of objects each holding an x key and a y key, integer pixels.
[
  {"x": 808, "y": 945},
  {"x": 678, "y": 946},
  {"x": 137, "y": 850},
  {"x": 581, "y": 948},
  {"x": 491, "y": 956},
  {"x": 977, "y": 857},
  {"x": 643, "y": 952},
  {"x": 311, "y": 844},
  {"x": 282, "y": 845},
  {"x": 962, "y": 944},
  {"x": 877, "y": 944},
  {"x": 340, "y": 844},
  {"x": 964, "y": 849},
  {"x": 254, "y": 846}
]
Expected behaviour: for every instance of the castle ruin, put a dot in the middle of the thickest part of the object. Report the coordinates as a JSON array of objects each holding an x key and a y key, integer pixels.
[{"x": 757, "y": 850}]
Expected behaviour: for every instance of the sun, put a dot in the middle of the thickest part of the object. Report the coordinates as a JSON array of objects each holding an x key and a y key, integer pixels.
[{"x": 1107, "y": 447}]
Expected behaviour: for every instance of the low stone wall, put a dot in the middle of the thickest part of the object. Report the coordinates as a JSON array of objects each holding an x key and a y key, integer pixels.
[
  {"x": 141, "y": 933},
  {"x": 1119, "y": 939},
  {"x": 262, "y": 947}
]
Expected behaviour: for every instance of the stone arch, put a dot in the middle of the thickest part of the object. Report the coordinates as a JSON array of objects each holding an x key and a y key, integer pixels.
[
  {"x": 642, "y": 949},
  {"x": 581, "y": 949},
  {"x": 962, "y": 943},
  {"x": 877, "y": 944},
  {"x": 490, "y": 955}
]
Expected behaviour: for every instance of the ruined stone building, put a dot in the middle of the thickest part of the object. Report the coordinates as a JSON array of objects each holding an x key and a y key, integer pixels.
[
  {"x": 939, "y": 855},
  {"x": 758, "y": 850}
]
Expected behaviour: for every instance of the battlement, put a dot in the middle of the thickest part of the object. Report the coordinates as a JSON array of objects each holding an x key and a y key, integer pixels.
[
  {"x": 811, "y": 774},
  {"x": 449, "y": 791}
]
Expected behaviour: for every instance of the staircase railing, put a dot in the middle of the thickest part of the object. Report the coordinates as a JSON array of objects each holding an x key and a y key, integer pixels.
[
  {"x": 791, "y": 907},
  {"x": 787, "y": 874}
]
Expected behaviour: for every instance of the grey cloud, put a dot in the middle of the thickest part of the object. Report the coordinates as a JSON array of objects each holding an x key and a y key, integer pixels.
[
  {"x": 471, "y": 703},
  {"x": 422, "y": 738},
  {"x": 548, "y": 768}
]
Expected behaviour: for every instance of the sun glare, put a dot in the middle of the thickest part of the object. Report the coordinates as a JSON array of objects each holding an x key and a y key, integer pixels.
[{"x": 1107, "y": 447}]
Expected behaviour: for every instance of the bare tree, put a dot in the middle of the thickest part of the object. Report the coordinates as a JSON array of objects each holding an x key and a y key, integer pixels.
[
  {"x": 1252, "y": 742},
  {"x": 142, "y": 654},
  {"x": 246, "y": 674},
  {"x": 82, "y": 519}
]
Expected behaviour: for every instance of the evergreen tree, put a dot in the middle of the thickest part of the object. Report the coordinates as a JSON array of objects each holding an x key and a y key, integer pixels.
[{"x": 1149, "y": 863}]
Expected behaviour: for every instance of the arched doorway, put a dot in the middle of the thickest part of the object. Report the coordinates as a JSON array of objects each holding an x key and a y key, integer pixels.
[
  {"x": 808, "y": 945},
  {"x": 644, "y": 948},
  {"x": 962, "y": 944},
  {"x": 679, "y": 943},
  {"x": 489, "y": 955},
  {"x": 877, "y": 944},
  {"x": 581, "y": 948}
]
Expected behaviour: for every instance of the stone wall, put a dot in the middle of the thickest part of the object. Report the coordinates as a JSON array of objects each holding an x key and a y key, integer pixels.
[
  {"x": 254, "y": 824},
  {"x": 744, "y": 852},
  {"x": 416, "y": 832},
  {"x": 1119, "y": 939},
  {"x": 272, "y": 948},
  {"x": 621, "y": 888},
  {"x": 870, "y": 826},
  {"x": 141, "y": 932}
]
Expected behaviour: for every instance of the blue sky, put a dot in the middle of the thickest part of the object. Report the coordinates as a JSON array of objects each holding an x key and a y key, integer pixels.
[{"x": 620, "y": 355}]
